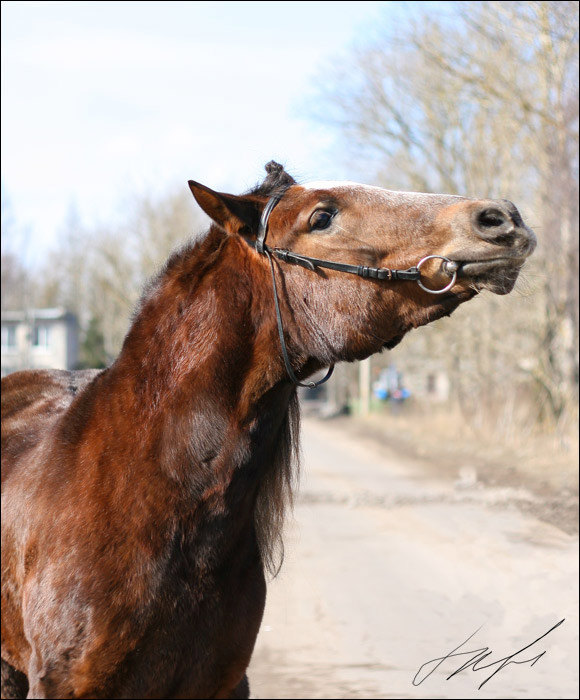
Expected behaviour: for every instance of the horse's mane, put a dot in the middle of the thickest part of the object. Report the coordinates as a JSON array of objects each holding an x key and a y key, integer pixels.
[
  {"x": 277, "y": 486},
  {"x": 276, "y": 489}
]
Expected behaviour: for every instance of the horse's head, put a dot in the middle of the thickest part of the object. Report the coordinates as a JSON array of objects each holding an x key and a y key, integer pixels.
[{"x": 331, "y": 315}]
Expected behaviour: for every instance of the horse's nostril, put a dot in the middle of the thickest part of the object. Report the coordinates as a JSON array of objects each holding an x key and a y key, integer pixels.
[{"x": 491, "y": 218}]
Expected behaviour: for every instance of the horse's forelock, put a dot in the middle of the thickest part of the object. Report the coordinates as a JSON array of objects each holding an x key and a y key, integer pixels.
[{"x": 276, "y": 180}]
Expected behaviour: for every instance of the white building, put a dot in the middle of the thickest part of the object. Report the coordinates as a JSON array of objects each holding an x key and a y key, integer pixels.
[{"x": 39, "y": 339}]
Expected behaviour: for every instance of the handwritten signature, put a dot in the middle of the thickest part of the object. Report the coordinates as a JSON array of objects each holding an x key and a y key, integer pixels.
[{"x": 477, "y": 657}]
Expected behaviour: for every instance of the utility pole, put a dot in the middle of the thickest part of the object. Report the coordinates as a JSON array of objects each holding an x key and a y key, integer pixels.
[{"x": 364, "y": 386}]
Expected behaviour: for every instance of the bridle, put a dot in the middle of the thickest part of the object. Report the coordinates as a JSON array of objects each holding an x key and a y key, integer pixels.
[{"x": 379, "y": 273}]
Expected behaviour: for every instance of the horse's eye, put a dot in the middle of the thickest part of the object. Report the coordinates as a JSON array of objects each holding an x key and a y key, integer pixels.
[{"x": 321, "y": 219}]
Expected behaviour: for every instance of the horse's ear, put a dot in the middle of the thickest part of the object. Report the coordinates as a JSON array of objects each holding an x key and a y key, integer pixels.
[{"x": 235, "y": 214}]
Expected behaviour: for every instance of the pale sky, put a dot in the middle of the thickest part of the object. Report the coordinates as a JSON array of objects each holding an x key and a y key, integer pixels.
[{"x": 103, "y": 100}]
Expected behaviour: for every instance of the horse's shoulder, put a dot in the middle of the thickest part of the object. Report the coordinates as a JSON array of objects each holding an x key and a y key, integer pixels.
[{"x": 32, "y": 400}]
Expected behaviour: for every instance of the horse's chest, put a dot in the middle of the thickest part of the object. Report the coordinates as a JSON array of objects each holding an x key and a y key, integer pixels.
[{"x": 199, "y": 640}]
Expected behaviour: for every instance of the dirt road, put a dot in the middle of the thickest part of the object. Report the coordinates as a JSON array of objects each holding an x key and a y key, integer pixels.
[{"x": 387, "y": 568}]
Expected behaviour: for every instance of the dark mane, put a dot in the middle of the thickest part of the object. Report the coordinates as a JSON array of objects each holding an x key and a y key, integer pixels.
[
  {"x": 276, "y": 181},
  {"x": 276, "y": 490}
]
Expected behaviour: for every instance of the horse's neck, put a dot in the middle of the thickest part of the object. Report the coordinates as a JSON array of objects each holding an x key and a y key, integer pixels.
[{"x": 195, "y": 393}]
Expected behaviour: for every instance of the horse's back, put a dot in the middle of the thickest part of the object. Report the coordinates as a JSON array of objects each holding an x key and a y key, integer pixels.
[{"x": 31, "y": 402}]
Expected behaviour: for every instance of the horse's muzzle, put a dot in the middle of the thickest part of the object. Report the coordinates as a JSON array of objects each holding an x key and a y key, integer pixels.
[
  {"x": 500, "y": 224},
  {"x": 501, "y": 246}
]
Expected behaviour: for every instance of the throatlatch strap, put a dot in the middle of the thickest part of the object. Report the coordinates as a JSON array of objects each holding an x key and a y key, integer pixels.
[
  {"x": 293, "y": 377},
  {"x": 261, "y": 247}
]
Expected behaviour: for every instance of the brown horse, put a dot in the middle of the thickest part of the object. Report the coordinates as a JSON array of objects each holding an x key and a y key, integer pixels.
[{"x": 142, "y": 503}]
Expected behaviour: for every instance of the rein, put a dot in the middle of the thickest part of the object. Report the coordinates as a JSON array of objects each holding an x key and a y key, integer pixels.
[{"x": 379, "y": 273}]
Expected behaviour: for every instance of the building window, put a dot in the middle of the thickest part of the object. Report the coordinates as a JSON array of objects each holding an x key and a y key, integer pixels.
[
  {"x": 8, "y": 337},
  {"x": 41, "y": 336}
]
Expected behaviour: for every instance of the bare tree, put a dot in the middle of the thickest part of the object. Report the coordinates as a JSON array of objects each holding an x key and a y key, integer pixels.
[
  {"x": 484, "y": 103},
  {"x": 16, "y": 280},
  {"x": 99, "y": 273}
]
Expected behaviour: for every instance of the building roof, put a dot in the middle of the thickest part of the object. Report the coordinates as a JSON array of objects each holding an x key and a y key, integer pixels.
[{"x": 54, "y": 314}]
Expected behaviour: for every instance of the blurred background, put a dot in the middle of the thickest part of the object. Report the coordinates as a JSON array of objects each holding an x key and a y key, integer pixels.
[{"x": 110, "y": 107}]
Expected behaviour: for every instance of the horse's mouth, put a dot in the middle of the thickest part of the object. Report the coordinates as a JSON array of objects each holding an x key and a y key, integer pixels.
[{"x": 498, "y": 275}]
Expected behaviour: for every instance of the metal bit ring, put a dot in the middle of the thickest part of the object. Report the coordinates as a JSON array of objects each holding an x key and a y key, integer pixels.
[{"x": 436, "y": 291}]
